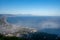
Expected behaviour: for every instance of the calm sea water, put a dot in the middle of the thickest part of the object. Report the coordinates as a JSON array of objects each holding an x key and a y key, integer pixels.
[
  {"x": 33, "y": 21},
  {"x": 38, "y": 22}
]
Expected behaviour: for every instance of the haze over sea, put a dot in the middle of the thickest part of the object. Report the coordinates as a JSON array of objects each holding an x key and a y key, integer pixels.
[
  {"x": 36, "y": 21},
  {"x": 39, "y": 14}
]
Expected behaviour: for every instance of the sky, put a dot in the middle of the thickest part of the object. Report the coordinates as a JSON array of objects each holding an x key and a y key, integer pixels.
[{"x": 31, "y": 7}]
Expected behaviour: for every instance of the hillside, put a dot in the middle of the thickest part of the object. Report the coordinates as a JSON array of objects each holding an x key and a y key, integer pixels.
[
  {"x": 32, "y": 36},
  {"x": 52, "y": 31}
]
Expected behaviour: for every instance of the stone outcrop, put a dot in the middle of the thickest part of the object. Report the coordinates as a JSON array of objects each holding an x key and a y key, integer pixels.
[
  {"x": 3, "y": 21},
  {"x": 13, "y": 30}
]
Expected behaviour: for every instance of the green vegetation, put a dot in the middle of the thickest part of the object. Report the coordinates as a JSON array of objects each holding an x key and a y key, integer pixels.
[
  {"x": 33, "y": 36},
  {"x": 43, "y": 36},
  {"x": 10, "y": 38}
]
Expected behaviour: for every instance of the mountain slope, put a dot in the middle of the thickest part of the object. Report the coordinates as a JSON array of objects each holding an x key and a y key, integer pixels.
[{"x": 52, "y": 31}]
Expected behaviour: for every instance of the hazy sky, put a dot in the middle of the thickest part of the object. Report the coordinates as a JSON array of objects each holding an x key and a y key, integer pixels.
[{"x": 34, "y": 7}]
